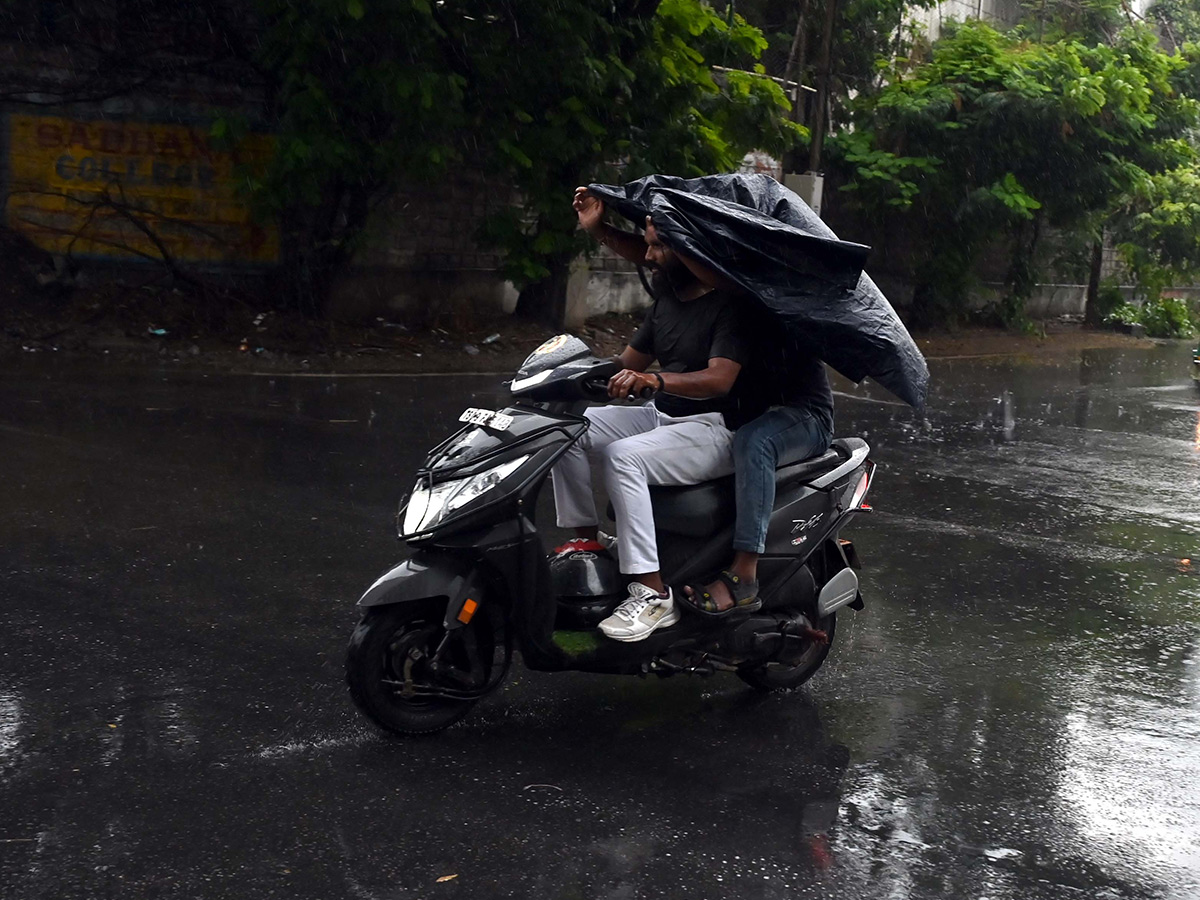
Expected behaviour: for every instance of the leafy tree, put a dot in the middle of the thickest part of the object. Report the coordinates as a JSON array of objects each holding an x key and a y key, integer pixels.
[
  {"x": 360, "y": 94},
  {"x": 1179, "y": 21},
  {"x": 1087, "y": 21},
  {"x": 628, "y": 97},
  {"x": 998, "y": 136},
  {"x": 861, "y": 32},
  {"x": 364, "y": 95},
  {"x": 542, "y": 96},
  {"x": 1158, "y": 233}
]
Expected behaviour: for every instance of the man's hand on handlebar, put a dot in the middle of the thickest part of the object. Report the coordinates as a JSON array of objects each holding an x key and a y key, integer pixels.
[{"x": 629, "y": 383}]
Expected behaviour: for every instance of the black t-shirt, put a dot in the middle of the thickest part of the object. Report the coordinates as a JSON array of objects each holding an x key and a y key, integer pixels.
[
  {"x": 783, "y": 371},
  {"x": 683, "y": 336}
]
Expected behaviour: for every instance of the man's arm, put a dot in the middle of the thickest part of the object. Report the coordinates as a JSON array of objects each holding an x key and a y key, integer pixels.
[
  {"x": 634, "y": 360},
  {"x": 590, "y": 210},
  {"x": 715, "y": 381},
  {"x": 706, "y": 276}
]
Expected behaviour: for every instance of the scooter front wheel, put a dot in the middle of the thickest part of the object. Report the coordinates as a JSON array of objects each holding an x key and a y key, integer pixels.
[
  {"x": 781, "y": 677},
  {"x": 389, "y": 671}
]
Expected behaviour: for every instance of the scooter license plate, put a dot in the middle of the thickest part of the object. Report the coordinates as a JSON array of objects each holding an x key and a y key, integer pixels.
[{"x": 487, "y": 418}]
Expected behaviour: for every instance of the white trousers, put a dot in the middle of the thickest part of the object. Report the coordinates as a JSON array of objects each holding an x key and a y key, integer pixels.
[{"x": 638, "y": 446}]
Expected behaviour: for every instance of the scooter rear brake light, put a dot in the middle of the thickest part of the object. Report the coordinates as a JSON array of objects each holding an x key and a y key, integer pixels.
[{"x": 858, "y": 500}]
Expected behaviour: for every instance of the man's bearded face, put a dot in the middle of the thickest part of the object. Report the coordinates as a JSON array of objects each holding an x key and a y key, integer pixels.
[{"x": 670, "y": 276}]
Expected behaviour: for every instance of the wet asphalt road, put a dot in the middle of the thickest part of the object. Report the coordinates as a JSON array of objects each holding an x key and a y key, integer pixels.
[{"x": 1016, "y": 713}]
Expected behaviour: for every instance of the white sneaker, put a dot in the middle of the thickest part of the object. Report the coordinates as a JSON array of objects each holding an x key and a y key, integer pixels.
[{"x": 638, "y": 616}]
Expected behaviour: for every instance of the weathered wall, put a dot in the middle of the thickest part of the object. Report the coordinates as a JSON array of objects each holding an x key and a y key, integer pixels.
[
  {"x": 94, "y": 185},
  {"x": 1002, "y": 13},
  {"x": 932, "y": 19},
  {"x": 423, "y": 261},
  {"x": 605, "y": 283},
  {"x": 421, "y": 258}
]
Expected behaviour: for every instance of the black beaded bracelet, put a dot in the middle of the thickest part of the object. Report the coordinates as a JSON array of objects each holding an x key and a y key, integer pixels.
[{"x": 661, "y": 385}]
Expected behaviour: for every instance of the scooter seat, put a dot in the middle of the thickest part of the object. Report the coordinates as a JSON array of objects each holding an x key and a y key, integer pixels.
[
  {"x": 698, "y": 510},
  {"x": 789, "y": 471}
]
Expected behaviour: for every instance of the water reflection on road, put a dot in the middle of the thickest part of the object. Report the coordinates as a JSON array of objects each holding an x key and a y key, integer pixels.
[{"x": 1015, "y": 715}]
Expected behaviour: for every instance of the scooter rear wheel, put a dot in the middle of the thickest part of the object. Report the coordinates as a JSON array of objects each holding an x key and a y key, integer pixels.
[
  {"x": 780, "y": 677},
  {"x": 391, "y": 647}
]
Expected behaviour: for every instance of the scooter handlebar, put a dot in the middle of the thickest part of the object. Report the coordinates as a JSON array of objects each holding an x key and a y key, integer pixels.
[
  {"x": 587, "y": 380},
  {"x": 595, "y": 385}
]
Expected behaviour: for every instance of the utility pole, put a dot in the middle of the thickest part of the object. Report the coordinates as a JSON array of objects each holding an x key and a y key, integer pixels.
[
  {"x": 797, "y": 60},
  {"x": 794, "y": 72},
  {"x": 823, "y": 71}
]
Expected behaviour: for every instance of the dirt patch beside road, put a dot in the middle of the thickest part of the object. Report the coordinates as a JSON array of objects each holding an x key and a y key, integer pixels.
[
  {"x": 138, "y": 326},
  {"x": 1059, "y": 338}
]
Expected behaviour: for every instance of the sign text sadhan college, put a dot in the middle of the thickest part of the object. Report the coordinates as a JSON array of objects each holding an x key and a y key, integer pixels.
[{"x": 96, "y": 188}]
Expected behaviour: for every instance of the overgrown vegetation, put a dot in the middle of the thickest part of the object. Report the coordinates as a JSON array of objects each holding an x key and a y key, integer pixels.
[
  {"x": 1079, "y": 123},
  {"x": 997, "y": 138},
  {"x": 364, "y": 95},
  {"x": 542, "y": 97},
  {"x": 1163, "y": 317}
]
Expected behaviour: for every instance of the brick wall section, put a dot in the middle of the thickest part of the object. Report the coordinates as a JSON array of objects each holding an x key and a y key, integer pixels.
[{"x": 430, "y": 227}]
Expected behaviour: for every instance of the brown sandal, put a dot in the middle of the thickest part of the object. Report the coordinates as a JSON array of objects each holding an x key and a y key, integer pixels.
[{"x": 744, "y": 594}]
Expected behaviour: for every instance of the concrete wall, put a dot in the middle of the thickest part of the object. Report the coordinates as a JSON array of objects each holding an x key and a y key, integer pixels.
[
  {"x": 603, "y": 283},
  {"x": 998, "y": 12},
  {"x": 1002, "y": 12},
  {"x": 1049, "y": 301},
  {"x": 421, "y": 260}
]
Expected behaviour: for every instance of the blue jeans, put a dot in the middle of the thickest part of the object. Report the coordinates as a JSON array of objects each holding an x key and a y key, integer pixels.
[{"x": 781, "y": 432}]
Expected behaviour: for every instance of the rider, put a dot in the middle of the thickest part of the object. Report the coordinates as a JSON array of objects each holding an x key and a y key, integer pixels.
[{"x": 681, "y": 438}]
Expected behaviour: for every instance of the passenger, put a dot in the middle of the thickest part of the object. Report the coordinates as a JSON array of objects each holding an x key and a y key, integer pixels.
[{"x": 798, "y": 425}]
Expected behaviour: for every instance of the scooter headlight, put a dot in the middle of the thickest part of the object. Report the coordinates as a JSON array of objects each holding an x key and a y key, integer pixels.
[{"x": 428, "y": 507}]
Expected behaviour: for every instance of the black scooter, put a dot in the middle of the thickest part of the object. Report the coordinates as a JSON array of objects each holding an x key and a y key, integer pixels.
[{"x": 438, "y": 630}]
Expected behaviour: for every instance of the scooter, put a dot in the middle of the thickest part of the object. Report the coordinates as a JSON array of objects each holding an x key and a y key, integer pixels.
[{"x": 439, "y": 630}]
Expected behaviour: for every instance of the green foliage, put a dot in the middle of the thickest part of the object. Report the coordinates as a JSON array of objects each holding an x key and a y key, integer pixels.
[
  {"x": 1158, "y": 231},
  {"x": 864, "y": 31},
  {"x": 541, "y": 97},
  {"x": 1108, "y": 298},
  {"x": 1178, "y": 19},
  {"x": 883, "y": 178},
  {"x": 1167, "y": 317},
  {"x": 1163, "y": 317},
  {"x": 638, "y": 91},
  {"x": 1089, "y": 21},
  {"x": 995, "y": 136},
  {"x": 1124, "y": 314}
]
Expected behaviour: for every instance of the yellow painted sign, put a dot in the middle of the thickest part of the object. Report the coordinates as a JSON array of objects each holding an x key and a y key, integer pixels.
[{"x": 133, "y": 190}]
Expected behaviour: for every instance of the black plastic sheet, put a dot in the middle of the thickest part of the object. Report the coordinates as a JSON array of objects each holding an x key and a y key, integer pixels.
[{"x": 763, "y": 237}]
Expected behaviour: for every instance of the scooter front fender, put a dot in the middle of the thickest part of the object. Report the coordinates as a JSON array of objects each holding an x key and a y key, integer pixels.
[{"x": 422, "y": 577}]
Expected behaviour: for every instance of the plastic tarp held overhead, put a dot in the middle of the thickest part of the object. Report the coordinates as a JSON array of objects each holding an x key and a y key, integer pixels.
[{"x": 761, "y": 236}]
